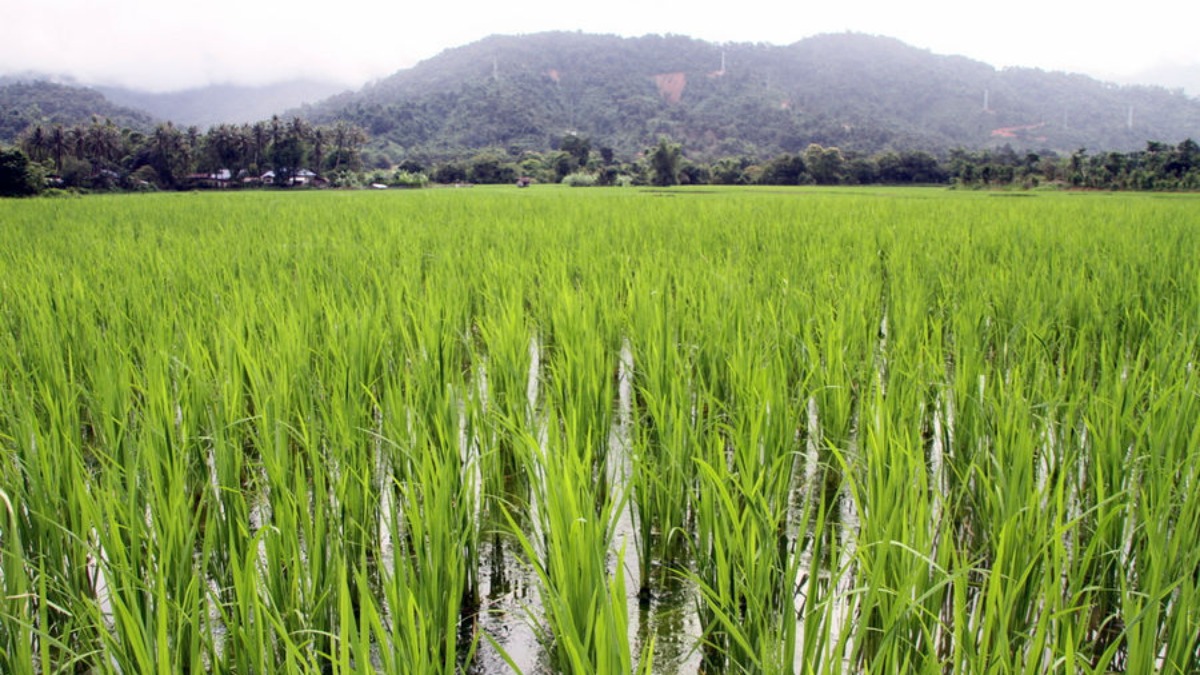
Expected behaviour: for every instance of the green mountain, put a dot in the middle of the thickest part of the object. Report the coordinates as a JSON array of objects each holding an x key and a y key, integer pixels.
[
  {"x": 37, "y": 99},
  {"x": 514, "y": 93},
  {"x": 857, "y": 92},
  {"x": 26, "y": 103}
]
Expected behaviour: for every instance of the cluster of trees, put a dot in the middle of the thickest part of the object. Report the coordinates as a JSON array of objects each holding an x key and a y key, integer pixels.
[
  {"x": 1160, "y": 166},
  {"x": 571, "y": 154},
  {"x": 577, "y": 162},
  {"x": 102, "y": 156}
]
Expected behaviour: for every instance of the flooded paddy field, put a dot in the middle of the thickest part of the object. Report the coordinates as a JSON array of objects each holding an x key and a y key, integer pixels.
[{"x": 570, "y": 431}]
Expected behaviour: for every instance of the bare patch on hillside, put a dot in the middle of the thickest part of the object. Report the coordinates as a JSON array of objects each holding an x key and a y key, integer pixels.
[
  {"x": 1018, "y": 131},
  {"x": 671, "y": 86}
]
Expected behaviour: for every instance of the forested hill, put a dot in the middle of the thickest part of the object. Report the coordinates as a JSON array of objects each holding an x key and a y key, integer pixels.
[
  {"x": 23, "y": 104},
  {"x": 857, "y": 92}
]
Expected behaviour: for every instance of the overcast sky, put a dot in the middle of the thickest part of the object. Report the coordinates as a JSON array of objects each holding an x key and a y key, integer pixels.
[{"x": 167, "y": 44}]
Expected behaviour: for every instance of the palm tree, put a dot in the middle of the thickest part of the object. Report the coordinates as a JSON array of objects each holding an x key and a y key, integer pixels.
[
  {"x": 222, "y": 148},
  {"x": 167, "y": 142},
  {"x": 276, "y": 127},
  {"x": 77, "y": 142},
  {"x": 348, "y": 139},
  {"x": 36, "y": 143},
  {"x": 299, "y": 129},
  {"x": 58, "y": 145},
  {"x": 258, "y": 143},
  {"x": 103, "y": 142},
  {"x": 339, "y": 143},
  {"x": 245, "y": 147},
  {"x": 357, "y": 139},
  {"x": 318, "y": 152}
]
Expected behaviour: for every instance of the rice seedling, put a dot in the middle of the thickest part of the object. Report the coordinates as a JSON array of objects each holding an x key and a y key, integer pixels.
[{"x": 666, "y": 434}]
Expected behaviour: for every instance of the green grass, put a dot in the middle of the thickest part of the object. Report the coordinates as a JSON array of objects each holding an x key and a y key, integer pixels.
[{"x": 868, "y": 431}]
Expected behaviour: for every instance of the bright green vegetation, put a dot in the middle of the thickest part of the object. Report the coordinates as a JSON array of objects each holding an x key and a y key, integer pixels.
[{"x": 906, "y": 431}]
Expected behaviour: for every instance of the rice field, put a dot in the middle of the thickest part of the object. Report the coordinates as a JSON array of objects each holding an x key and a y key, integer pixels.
[{"x": 556, "y": 431}]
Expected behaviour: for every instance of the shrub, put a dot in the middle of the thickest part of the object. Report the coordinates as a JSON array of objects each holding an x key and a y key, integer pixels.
[
  {"x": 409, "y": 179},
  {"x": 16, "y": 177},
  {"x": 579, "y": 179}
]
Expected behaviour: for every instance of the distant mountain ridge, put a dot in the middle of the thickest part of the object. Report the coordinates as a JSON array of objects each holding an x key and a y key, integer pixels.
[
  {"x": 859, "y": 92},
  {"x": 33, "y": 98},
  {"x": 223, "y": 103}
]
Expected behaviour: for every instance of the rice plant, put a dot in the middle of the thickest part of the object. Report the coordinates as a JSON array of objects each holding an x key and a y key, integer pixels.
[{"x": 736, "y": 431}]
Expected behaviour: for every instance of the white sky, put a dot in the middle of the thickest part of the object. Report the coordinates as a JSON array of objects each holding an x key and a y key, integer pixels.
[{"x": 168, "y": 44}]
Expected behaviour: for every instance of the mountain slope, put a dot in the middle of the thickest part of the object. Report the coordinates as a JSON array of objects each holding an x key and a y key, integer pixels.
[
  {"x": 39, "y": 102},
  {"x": 854, "y": 91}
]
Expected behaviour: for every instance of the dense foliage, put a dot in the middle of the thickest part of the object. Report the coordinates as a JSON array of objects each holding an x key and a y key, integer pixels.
[
  {"x": 17, "y": 177},
  {"x": 102, "y": 156},
  {"x": 26, "y": 104},
  {"x": 1160, "y": 166},
  {"x": 863, "y": 94}
]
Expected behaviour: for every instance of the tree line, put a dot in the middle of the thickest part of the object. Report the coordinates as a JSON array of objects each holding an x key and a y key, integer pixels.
[
  {"x": 101, "y": 156},
  {"x": 575, "y": 161}
]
